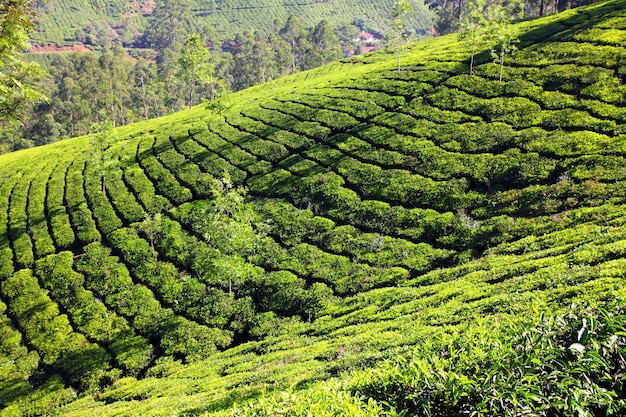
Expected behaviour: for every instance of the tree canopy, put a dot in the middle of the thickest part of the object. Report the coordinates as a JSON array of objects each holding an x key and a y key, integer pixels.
[{"x": 17, "y": 77}]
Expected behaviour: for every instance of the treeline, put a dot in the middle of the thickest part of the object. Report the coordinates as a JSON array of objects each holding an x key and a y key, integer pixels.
[
  {"x": 449, "y": 13},
  {"x": 85, "y": 89}
]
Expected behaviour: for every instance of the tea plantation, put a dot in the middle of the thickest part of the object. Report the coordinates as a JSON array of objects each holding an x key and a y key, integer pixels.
[
  {"x": 348, "y": 241},
  {"x": 58, "y": 21}
]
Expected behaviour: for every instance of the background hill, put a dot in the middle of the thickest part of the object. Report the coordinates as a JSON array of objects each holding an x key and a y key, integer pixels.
[
  {"x": 64, "y": 22},
  {"x": 352, "y": 240}
]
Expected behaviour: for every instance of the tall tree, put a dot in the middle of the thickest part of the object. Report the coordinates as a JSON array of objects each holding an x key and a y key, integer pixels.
[
  {"x": 325, "y": 46},
  {"x": 501, "y": 30},
  {"x": 447, "y": 15},
  {"x": 102, "y": 137},
  {"x": 471, "y": 23},
  {"x": 253, "y": 61},
  {"x": 17, "y": 77},
  {"x": 293, "y": 32},
  {"x": 195, "y": 69},
  {"x": 282, "y": 54},
  {"x": 72, "y": 102},
  {"x": 397, "y": 35},
  {"x": 167, "y": 67},
  {"x": 145, "y": 80},
  {"x": 168, "y": 24},
  {"x": 113, "y": 87}
]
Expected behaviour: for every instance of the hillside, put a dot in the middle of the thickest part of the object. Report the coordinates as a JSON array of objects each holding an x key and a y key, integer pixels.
[
  {"x": 352, "y": 240},
  {"x": 59, "y": 20}
]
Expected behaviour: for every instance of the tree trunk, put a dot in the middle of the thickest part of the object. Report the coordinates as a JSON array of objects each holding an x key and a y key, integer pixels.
[
  {"x": 501, "y": 63},
  {"x": 458, "y": 13},
  {"x": 144, "y": 97},
  {"x": 293, "y": 57},
  {"x": 398, "y": 59},
  {"x": 471, "y": 72},
  {"x": 156, "y": 106}
]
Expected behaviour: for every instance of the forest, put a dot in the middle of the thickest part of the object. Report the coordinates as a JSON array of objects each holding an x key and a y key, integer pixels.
[
  {"x": 437, "y": 228},
  {"x": 88, "y": 89}
]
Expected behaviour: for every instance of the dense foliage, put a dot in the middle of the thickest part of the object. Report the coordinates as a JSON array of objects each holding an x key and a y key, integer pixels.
[
  {"x": 17, "y": 77},
  {"x": 349, "y": 241},
  {"x": 87, "y": 89}
]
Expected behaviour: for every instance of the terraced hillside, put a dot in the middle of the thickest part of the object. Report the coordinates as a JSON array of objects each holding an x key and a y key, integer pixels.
[
  {"x": 59, "y": 20},
  {"x": 352, "y": 240}
]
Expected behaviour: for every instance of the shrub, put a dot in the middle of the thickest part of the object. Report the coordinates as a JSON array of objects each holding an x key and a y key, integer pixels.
[
  {"x": 561, "y": 365},
  {"x": 6, "y": 263},
  {"x": 84, "y": 364}
]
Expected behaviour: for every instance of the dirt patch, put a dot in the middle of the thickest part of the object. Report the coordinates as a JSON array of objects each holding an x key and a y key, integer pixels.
[{"x": 53, "y": 48}]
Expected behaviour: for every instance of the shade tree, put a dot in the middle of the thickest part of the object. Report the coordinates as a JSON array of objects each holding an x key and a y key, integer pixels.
[
  {"x": 501, "y": 31},
  {"x": 471, "y": 23},
  {"x": 195, "y": 70},
  {"x": 397, "y": 36}
]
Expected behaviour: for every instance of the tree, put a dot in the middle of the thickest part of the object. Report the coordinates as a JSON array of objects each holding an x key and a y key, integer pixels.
[
  {"x": 346, "y": 35},
  {"x": 100, "y": 140},
  {"x": 168, "y": 24},
  {"x": 17, "y": 77},
  {"x": 543, "y": 7},
  {"x": 228, "y": 226},
  {"x": 145, "y": 93},
  {"x": 472, "y": 22},
  {"x": 325, "y": 46},
  {"x": 397, "y": 36},
  {"x": 447, "y": 15},
  {"x": 195, "y": 69},
  {"x": 293, "y": 32},
  {"x": 282, "y": 54},
  {"x": 253, "y": 61},
  {"x": 113, "y": 87},
  {"x": 501, "y": 31},
  {"x": 167, "y": 66},
  {"x": 152, "y": 227},
  {"x": 221, "y": 103}
]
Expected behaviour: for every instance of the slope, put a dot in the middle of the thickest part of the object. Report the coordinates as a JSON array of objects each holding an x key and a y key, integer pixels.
[{"x": 398, "y": 232}]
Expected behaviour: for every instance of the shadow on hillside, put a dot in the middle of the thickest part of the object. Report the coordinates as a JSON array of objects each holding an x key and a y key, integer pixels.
[
  {"x": 155, "y": 149},
  {"x": 565, "y": 27},
  {"x": 245, "y": 144},
  {"x": 234, "y": 397},
  {"x": 13, "y": 389},
  {"x": 562, "y": 29}
]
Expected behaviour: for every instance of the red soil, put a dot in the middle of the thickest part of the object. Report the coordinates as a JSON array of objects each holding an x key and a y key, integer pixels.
[{"x": 53, "y": 48}]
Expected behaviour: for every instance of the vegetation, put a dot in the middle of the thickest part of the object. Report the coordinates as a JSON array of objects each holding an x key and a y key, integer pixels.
[
  {"x": 398, "y": 30},
  {"x": 450, "y": 15},
  {"x": 351, "y": 240},
  {"x": 17, "y": 78},
  {"x": 89, "y": 88},
  {"x": 142, "y": 61},
  {"x": 99, "y": 23}
]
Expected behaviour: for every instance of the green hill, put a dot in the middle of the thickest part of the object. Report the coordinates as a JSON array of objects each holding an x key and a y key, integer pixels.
[
  {"x": 58, "y": 20},
  {"x": 347, "y": 241}
]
